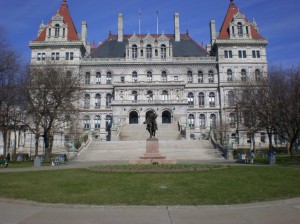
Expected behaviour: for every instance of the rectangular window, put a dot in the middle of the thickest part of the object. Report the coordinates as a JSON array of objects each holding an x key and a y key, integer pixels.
[
  {"x": 71, "y": 55},
  {"x": 228, "y": 54},
  {"x": 52, "y": 56},
  {"x": 122, "y": 79},
  {"x": 43, "y": 57},
  {"x": 176, "y": 78},
  {"x": 242, "y": 54},
  {"x": 39, "y": 56},
  {"x": 256, "y": 54},
  {"x": 67, "y": 55},
  {"x": 57, "y": 56},
  {"x": 98, "y": 77}
]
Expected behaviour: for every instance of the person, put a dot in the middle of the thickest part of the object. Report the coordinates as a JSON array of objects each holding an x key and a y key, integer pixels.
[{"x": 252, "y": 156}]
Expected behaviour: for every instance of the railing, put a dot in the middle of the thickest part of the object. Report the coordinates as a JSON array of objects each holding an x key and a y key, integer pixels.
[{"x": 216, "y": 145}]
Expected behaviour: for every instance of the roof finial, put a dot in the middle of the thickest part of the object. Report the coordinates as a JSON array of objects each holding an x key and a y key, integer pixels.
[
  {"x": 64, "y": 2},
  {"x": 231, "y": 3}
]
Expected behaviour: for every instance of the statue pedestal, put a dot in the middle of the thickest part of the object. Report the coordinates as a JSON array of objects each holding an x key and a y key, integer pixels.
[
  {"x": 152, "y": 155},
  {"x": 152, "y": 150}
]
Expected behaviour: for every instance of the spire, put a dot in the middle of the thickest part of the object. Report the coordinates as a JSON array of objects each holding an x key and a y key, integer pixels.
[
  {"x": 231, "y": 3},
  {"x": 64, "y": 2}
]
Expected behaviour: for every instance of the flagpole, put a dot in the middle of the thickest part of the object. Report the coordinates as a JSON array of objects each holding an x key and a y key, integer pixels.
[
  {"x": 139, "y": 21},
  {"x": 157, "y": 22}
]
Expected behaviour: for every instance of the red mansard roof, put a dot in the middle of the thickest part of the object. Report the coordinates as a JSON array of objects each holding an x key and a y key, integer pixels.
[
  {"x": 232, "y": 11},
  {"x": 64, "y": 12}
]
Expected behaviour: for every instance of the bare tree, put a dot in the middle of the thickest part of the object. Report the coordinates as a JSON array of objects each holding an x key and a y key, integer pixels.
[{"x": 53, "y": 93}]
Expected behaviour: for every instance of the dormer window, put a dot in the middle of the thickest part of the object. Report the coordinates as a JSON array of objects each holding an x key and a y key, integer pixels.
[
  {"x": 163, "y": 51},
  {"x": 134, "y": 51},
  {"x": 56, "y": 33},
  {"x": 240, "y": 28}
]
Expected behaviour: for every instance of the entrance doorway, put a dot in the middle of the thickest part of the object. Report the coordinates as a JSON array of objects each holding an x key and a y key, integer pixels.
[
  {"x": 133, "y": 117},
  {"x": 166, "y": 117}
]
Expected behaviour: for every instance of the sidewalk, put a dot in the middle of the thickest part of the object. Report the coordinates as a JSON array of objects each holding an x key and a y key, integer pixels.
[{"x": 23, "y": 212}]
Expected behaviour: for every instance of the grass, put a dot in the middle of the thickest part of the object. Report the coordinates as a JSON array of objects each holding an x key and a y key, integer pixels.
[
  {"x": 281, "y": 159},
  {"x": 236, "y": 184},
  {"x": 24, "y": 164}
]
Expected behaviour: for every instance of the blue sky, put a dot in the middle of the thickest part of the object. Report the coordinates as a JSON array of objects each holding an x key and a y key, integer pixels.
[{"x": 278, "y": 21}]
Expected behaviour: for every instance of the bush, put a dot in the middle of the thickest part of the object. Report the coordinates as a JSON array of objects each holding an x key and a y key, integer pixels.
[
  {"x": 85, "y": 137},
  {"x": 77, "y": 144}
]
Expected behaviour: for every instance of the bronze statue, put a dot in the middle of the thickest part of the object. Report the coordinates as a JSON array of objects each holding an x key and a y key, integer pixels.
[{"x": 151, "y": 124}]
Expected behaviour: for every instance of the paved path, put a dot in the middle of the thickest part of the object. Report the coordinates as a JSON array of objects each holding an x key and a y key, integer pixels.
[{"x": 276, "y": 212}]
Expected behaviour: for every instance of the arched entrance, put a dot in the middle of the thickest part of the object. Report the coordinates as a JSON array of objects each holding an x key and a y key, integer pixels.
[
  {"x": 133, "y": 117},
  {"x": 166, "y": 117}
]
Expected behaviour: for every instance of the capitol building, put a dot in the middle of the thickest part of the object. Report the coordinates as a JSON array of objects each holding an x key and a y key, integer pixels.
[{"x": 127, "y": 76}]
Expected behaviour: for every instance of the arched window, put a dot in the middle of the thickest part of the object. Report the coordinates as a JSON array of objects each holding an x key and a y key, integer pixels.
[
  {"x": 232, "y": 120},
  {"x": 243, "y": 75},
  {"x": 229, "y": 75},
  {"x": 212, "y": 102},
  {"x": 164, "y": 76},
  {"x": 108, "y": 99},
  {"x": 86, "y": 102},
  {"x": 134, "y": 96},
  {"x": 149, "y": 95},
  {"x": 230, "y": 98},
  {"x": 97, "y": 100},
  {"x": 213, "y": 121},
  {"x": 200, "y": 77},
  {"x": 133, "y": 117},
  {"x": 108, "y": 122},
  {"x": 134, "y": 51},
  {"x": 56, "y": 30},
  {"x": 149, "y": 51},
  {"x": 211, "y": 76},
  {"x": 191, "y": 121},
  {"x": 190, "y": 98},
  {"x": 202, "y": 121},
  {"x": 257, "y": 75},
  {"x": 97, "y": 122},
  {"x": 87, "y": 78},
  {"x": 149, "y": 76},
  {"x": 240, "y": 28},
  {"x": 163, "y": 51},
  {"x": 134, "y": 76},
  {"x": 165, "y": 95},
  {"x": 201, "y": 100},
  {"x": 86, "y": 122}
]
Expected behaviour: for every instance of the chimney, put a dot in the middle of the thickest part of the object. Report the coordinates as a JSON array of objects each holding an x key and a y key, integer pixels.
[
  {"x": 83, "y": 31},
  {"x": 120, "y": 27},
  {"x": 212, "y": 25},
  {"x": 176, "y": 27}
]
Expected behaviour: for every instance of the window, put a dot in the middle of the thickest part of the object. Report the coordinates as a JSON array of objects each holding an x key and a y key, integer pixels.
[
  {"x": 134, "y": 96},
  {"x": 189, "y": 77},
  {"x": 201, "y": 97},
  {"x": 122, "y": 79},
  {"x": 243, "y": 75},
  {"x": 98, "y": 77},
  {"x": 190, "y": 99},
  {"x": 211, "y": 77},
  {"x": 257, "y": 75},
  {"x": 228, "y": 54},
  {"x": 176, "y": 78},
  {"x": 212, "y": 100},
  {"x": 213, "y": 121},
  {"x": 108, "y": 100},
  {"x": 134, "y": 51},
  {"x": 43, "y": 57},
  {"x": 134, "y": 77},
  {"x": 240, "y": 28},
  {"x": 164, "y": 76},
  {"x": 39, "y": 56},
  {"x": 97, "y": 100},
  {"x": 87, "y": 79},
  {"x": 86, "y": 122},
  {"x": 163, "y": 51},
  {"x": 149, "y": 95},
  {"x": 149, "y": 51},
  {"x": 97, "y": 122},
  {"x": 242, "y": 54},
  {"x": 255, "y": 54},
  {"x": 232, "y": 120},
  {"x": 229, "y": 75},
  {"x": 49, "y": 32},
  {"x": 230, "y": 98},
  {"x": 149, "y": 76},
  {"x": 108, "y": 78},
  {"x": 56, "y": 32},
  {"x": 165, "y": 95},
  {"x": 232, "y": 30},
  {"x": 69, "y": 55},
  {"x": 191, "y": 121},
  {"x": 86, "y": 102},
  {"x": 202, "y": 121},
  {"x": 64, "y": 32},
  {"x": 53, "y": 56},
  {"x": 247, "y": 30},
  {"x": 200, "y": 77}
]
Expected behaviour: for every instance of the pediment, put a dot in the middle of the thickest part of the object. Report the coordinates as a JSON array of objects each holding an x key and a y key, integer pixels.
[
  {"x": 134, "y": 38},
  {"x": 163, "y": 38},
  {"x": 239, "y": 16},
  {"x": 57, "y": 18},
  {"x": 148, "y": 38}
]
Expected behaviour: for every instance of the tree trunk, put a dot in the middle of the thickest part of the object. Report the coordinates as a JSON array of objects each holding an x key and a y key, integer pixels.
[
  {"x": 48, "y": 146},
  {"x": 253, "y": 142},
  {"x": 270, "y": 141},
  {"x": 14, "y": 151},
  {"x": 4, "y": 137},
  {"x": 36, "y": 145}
]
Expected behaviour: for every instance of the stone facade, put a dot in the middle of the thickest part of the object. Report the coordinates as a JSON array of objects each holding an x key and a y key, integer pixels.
[{"x": 127, "y": 76}]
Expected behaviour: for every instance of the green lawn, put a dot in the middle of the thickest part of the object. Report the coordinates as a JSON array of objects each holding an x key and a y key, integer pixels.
[{"x": 236, "y": 184}]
